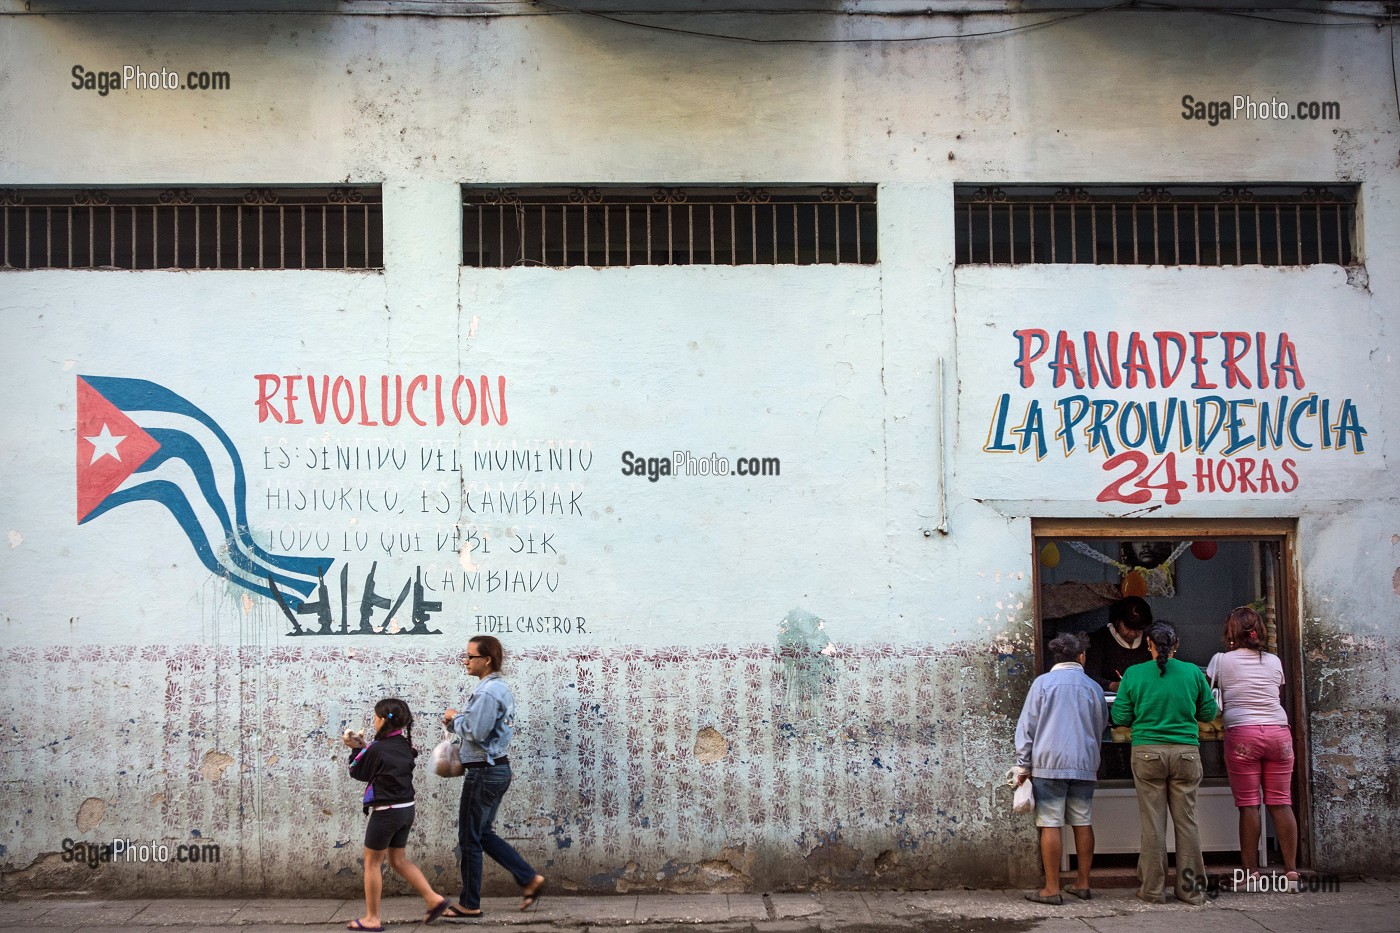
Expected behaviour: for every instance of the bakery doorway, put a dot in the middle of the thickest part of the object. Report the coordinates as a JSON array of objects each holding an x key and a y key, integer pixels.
[{"x": 1191, "y": 574}]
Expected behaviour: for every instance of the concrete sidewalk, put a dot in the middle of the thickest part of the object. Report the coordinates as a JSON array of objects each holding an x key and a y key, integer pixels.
[{"x": 1360, "y": 907}]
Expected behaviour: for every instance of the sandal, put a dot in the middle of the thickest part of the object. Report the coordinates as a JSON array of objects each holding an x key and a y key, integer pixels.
[
  {"x": 531, "y": 896},
  {"x": 1084, "y": 894},
  {"x": 1055, "y": 899},
  {"x": 357, "y": 925},
  {"x": 437, "y": 911},
  {"x": 457, "y": 912}
]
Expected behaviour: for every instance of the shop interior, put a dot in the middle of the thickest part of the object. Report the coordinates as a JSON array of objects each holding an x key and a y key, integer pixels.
[{"x": 1193, "y": 581}]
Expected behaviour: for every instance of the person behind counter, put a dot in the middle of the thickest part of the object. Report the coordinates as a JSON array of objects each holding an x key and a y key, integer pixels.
[
  {"x": 1119, "y": 644},
  {"x": 1258, "y": 743},
  {"x": 1163, "y": 702}
]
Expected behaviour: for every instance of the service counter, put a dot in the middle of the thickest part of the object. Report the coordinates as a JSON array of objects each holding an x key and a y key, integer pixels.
[{"x": 1116, "y": 820}]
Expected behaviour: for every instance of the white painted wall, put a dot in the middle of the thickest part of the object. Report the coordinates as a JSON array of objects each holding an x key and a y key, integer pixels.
[{"x": 875, "y": 764}]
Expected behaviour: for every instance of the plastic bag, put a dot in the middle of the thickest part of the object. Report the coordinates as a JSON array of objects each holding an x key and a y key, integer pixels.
[
  {"x": 446, "y": 762},
  {"x": 1023, "y": 801}
]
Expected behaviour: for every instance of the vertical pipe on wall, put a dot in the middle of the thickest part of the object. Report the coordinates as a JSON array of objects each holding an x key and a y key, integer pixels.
[{"x": 942, "y": 526}]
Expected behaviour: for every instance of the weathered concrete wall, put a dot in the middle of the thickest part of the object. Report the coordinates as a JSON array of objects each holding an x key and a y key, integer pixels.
[
  {"x": 670, "y": 769},
  {"x": 780, "y": 682}
]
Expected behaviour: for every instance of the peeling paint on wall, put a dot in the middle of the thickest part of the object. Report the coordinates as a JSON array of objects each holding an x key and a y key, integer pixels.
[
  {"x": 91, "y": 814},
  {"x": 214, "y": 765},
  {"x": 710, "y": 746},
  {"x": 1354, "y": 720},
  {"x": 919, "y": 776}
]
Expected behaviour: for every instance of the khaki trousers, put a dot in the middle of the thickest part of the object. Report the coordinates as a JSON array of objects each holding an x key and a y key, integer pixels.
[{"x": 1166, "y": 777}]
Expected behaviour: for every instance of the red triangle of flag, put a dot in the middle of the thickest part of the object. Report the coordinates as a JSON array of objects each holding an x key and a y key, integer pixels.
[{"x": 110, "y": 448}]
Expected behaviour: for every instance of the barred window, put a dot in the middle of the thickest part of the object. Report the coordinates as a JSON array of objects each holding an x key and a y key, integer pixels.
[
  {"x": 1178, "y": 225},
  {"x": 605, "y": 226},
  {"x": 192, "y": 228}
]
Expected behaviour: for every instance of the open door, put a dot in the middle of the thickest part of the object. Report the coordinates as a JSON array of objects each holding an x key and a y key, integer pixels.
[{"x": 1192, "y": 573}]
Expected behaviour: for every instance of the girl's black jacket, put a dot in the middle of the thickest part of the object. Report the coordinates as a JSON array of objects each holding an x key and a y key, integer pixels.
[{"x": 387, "y": 766}]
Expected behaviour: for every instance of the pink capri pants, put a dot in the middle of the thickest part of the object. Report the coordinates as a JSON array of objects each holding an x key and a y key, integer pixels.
[{"x": 1256, "y": 755}]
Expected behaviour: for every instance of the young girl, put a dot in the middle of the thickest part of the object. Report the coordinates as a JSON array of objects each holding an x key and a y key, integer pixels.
[{"x": 386, "y": 765}]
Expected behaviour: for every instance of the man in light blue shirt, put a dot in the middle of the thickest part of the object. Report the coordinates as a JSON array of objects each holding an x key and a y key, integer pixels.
[{"x": 1057, "y": 747}]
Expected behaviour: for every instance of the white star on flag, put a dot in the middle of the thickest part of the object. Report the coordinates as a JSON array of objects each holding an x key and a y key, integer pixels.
[{"x": 105, "y": 443}]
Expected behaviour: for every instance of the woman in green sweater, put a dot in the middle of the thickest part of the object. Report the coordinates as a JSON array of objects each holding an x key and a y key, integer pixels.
[{"x": 1163, "y": 700}]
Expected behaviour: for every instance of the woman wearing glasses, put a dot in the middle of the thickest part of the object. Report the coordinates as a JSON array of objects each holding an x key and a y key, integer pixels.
[{"x": 485, "y": 729}]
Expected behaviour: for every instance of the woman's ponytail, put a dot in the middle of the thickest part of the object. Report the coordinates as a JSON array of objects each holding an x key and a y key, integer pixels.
[
  {"x": 1244, "y": 629},
  {"x": 1163, "y": 636}
]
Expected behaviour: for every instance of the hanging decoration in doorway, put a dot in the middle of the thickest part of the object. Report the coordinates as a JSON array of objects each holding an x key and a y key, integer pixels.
[
  {"x": 1203, "y": 550},
  {"x": 1050, "y": 556},
  {"x": 1134, "y": 582},
  {"x": 1139, "y": 581}
]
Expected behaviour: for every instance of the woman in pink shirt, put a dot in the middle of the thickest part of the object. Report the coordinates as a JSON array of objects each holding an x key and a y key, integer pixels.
[{"x": 1258, "y": 743}]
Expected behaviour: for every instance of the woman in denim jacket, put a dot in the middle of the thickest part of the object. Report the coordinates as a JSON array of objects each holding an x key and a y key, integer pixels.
[{"x": 485, "y": 729}]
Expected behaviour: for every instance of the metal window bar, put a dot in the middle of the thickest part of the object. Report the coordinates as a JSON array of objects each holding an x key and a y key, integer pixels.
[
  {"x": 1298, "y": 230},
  {"x": 1219, "y": 256},
  {"x": 1011, "y": 232},
  {"x": 713, "y": 258},
  {"x": 1259, "y": 238},
  {"x": 1239, "y": 256},
  {"x": 753, "y": 232}
]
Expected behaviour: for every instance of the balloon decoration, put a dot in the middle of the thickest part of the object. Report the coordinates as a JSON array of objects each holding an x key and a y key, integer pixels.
[
  {"x": 1203, "y": 550},
  {"x": 1050, "y": 555},
  {"x": 1134, "y": 583}
]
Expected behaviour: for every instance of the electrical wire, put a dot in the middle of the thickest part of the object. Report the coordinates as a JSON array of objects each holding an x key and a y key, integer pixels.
[{"x": 848, "y": 41}]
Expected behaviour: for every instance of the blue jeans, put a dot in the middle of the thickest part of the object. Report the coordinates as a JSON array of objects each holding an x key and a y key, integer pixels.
[{"x": 482, "y": 790}]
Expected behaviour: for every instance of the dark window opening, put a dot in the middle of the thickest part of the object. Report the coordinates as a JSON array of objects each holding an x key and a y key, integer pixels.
[
  {"x": 179, "y": 228},
  {"x": 1180, "y": 225},
  {"x": 560, "y": 227}
]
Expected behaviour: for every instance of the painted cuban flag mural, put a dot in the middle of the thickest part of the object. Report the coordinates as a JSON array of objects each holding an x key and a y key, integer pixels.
[{"x": 139, "y": 441}]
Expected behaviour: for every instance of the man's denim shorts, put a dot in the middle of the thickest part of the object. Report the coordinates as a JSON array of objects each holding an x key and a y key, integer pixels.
[{"x": 1060, "y": 803}]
